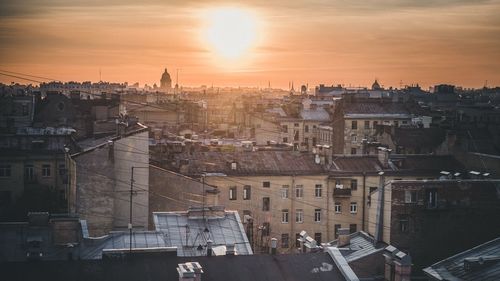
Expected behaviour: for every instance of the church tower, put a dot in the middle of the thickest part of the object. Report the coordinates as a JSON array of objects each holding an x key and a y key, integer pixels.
[{"x": 166, "y": 81}]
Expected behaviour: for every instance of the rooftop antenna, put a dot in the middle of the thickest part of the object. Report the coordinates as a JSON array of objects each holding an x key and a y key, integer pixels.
[
  {"x": 100, "y": 79},
  {"x": 177, "y": 78}
]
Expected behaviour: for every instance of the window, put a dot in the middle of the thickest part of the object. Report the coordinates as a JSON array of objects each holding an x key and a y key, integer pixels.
[
  {"x": 296, "y": 135},
  {"x": 299, "y": 216},
  {"x": 354, "y": 184},
  {"x": 299, "y": 191},
  {"x": 284, "y": 191},
  {"x": 432, "y": 198},
  {"x": 367, "y": 124},
  {"x": 318, "y": 190},
  {"x": 353, "y": 151},
  {"x": 232, "y": 193},
  {"x": 46, "y": 170},
  {"x": 266, "y": 184},
  {"x": 266, "y": 202},
  {"x": 354, "y": 125},
  {"x": 285, "y": 140},
  {"x": 410, "y": 196},
  {"x": 396, "y": 123},
  {"x": 29, "y": 172},
  {"x": 354, "y": 207},
  {"x": 404, "y": 223},
  {"x": 336, "y": 230},
  {"x": 62, "y": 169},
  {"x": 247, "y": 191},
  {"x": 24, "y": 109},
  {"x": 375, "y": 123},
  {"x": 306, "y": 128},
  {"x": 353, "y": 228},
  {"x": 296, "y": 124},
  {"x": 317, "y": 215},
  {"x": 317, "y": 237},
  {"x": 354, "y": 138},
  {"x": 285, "y": 240},
  {"x": 284, "y": 128},
  {"x": 266, "y": 229},
  {"x": 306, "y": 141},
  {"x": 5, "y": 171},
  {"x": 338, "y": 208},
  {"x": 297, "y": 241},
  {"x": 284, "y": 216}
]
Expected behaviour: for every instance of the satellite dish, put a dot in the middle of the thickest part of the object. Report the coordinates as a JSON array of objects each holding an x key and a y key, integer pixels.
[{"x": 317, "y": 159}]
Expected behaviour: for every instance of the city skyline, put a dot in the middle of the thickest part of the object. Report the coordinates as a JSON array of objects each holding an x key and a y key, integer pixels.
[{"x": 339, "y": 42}]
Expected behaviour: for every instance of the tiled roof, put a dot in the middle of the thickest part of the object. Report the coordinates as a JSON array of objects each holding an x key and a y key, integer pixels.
[
  {"x": 250, "y": 163},
  {"x": 453, "y": 268},
  {"x": 356, "y": 164},
  {"x": 318, "y": 114}
]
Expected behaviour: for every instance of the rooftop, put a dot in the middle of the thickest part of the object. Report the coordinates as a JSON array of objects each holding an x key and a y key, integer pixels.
[{"x": 479, "y": 263}]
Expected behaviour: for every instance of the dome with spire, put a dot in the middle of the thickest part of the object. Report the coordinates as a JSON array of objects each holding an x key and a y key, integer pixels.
[
  {"x": 376, "y": 85},
  {"x": 166, "y": 81}
]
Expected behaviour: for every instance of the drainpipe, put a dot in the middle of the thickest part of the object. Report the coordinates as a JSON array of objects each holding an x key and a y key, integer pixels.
[
  {"x": 379, "y": 231},
  {"x": 364, "y": 202}
]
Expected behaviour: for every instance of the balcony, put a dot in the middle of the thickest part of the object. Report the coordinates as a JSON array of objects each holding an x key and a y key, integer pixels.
[{"x": 341, "y": 192}]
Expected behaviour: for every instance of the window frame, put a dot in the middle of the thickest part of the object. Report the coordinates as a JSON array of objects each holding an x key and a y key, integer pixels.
[
  {"x": 299, "y": 191},
  {"x": 285, "y": 216},
  {"x": 338, "y": 207},
  {"x": 247, "y": 192},
  {"x": 233, "y": 190},
  {"x": 299, "y": 216},
  {"x": 317, "y": 215},
  {"x": 318, "y": 190},
  {"x": 355, "y": 209}
]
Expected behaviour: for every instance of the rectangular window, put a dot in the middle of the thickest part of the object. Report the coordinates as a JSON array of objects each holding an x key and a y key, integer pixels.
[
  {"x": 432, "y": 198},
  {"x": 284, "y": 191},
  {"x": 354, "y": 207},
  {"x": 375, "y": 123},
  {"x": 284, "y": 216},
  {"x": 353, "y": 228},
  {"x": 354, "y": 184},
  {"x": 285, "y": 128},
  {"x": 317, "y": 237},
  {"x": 410, "y": 196},
  {"x": 62, "y": 169},
  {"x": 306, "y": 128},
  {"x": 404, "y": 224},
  {"x": 232, "y": 193},
  {"x": 5, "y": 171},
  {"x": 296, "y": 124},
  {"x": 353, "y": 151},
  {"x": 338, "y": 208},
  {"x": 299, "y": 216},
  {"x": 266, "y": 184},
  {"x": 297, "y": 241},
  {"x": 367, "y": 124},
  {"x": 266, "y": 229},
  {"x": 285, "y": 240},
  {"x": 266, "y": 202},
  {"x": 354, "y": 125},
  {"x": 29, "y": 172},
  {"x": 336, "y": 230},
  {"x": 299, "y": 191},
  {"x": 318, "y": 189},
  {"x": 247, "y": 191},
  {"x": 317, "y": 215},
  {"x": 46, "y": 170},
  {"x": 296, "y": 135},
  {"x": 396, "y": 123},
  {"x": 285, "y": 140}
]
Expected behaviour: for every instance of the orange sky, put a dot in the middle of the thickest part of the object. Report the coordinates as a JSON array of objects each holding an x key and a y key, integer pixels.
[{"x": 323, "y": 41}]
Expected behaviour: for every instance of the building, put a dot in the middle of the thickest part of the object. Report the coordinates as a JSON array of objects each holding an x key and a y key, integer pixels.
[
  {"x": 166, "y": 81},
  {"x": 478, "y": 263},
  {"x": 34, "y": 170},
  {"x": 413, "y": 140},
  {"x": 17, "y": 111},
  {"x": 355, "y": 121},
  {"x": 101, "y": 178},
  {"x": 440, "y": 217}
]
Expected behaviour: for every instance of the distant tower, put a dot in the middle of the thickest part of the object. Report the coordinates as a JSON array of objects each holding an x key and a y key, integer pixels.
[
  {"x": 376, "y": 85},
  {"x": 166, "y": 81}
]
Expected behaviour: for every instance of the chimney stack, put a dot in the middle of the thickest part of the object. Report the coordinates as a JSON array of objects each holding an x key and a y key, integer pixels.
[
  {"x": 209, "y": 248},
  {"x": 397, "y": 264},
  {"x": 383, "y": 156},
  {"x": 344, "y": 237},
  {"x": 189, "y": 271}
]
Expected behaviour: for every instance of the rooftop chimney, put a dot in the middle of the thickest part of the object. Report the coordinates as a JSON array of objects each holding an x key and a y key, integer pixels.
[
  {"x": 344, "y": 237},
  {"x": 189, "y": 271},
  {"x": 397, "y": 264},
  {"x": 383, "y": 156},
  {"x": 209, "y": 248}
]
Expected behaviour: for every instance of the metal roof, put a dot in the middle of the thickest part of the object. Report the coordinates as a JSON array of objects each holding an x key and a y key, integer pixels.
[
  {"x": 361, "y": 245},
  {"x": 453, "y": 268},
  {"x": 188, "y": 233}
]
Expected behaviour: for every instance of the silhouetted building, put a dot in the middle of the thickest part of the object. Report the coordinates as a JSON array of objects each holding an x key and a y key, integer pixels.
[{"x": 166, "y": 81}]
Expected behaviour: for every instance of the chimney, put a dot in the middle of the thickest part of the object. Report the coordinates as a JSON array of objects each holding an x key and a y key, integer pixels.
[
  {"x": 274, "y": 244},
  {"x": 209, "y": 248},
  {"x": 344, "y": 237},
  {"x": 397, "y": 264},
  {"x": 189, "y": 271},
  {"x": 230, "y": 250},
  {"x": 383, "y": 156}
]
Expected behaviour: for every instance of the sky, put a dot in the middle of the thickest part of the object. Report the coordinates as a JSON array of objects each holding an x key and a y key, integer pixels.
[{"x": 350, "y": 42}]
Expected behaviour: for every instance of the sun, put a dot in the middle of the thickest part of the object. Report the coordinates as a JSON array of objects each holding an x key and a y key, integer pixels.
[{"x": 230, "y": 32}]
